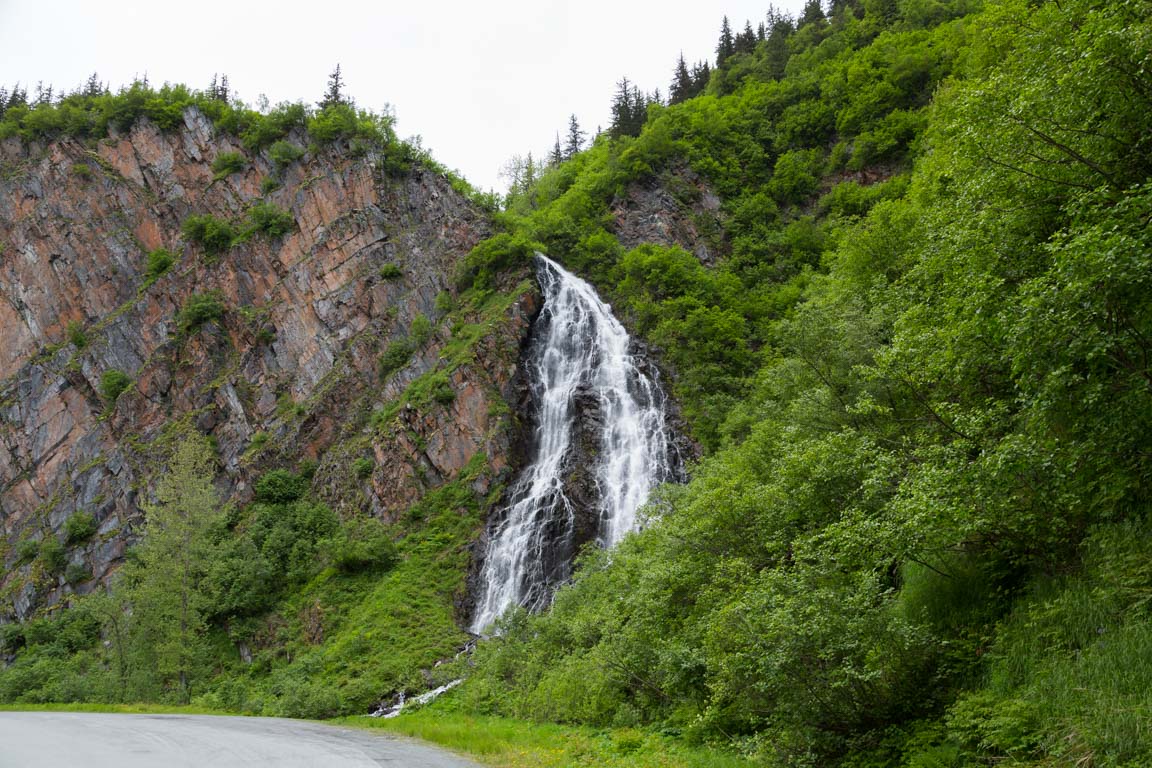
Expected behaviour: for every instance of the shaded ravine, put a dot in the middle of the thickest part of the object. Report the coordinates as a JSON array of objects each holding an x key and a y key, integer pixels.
[{"x": 585, "y": 383}]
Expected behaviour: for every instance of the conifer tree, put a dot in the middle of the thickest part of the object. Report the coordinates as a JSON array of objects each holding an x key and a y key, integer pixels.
[
  {"x": 813, "y": 13},
  {"x": 681, "y": 89},
  {"x": 746, "y": 40},
  {"x": 93, "y": 87},
  {"x": 557, "y": 155},
  {"x": 335, "y": 93},
  {"x": 575, "y": 138},
  {"x": 727, "y": 44}
]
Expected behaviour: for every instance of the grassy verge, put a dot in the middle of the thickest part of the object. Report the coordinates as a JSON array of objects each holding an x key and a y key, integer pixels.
[{"x": 517, "y": 744}]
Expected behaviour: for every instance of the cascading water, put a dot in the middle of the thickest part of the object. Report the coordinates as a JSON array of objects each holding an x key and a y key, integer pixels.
[{"x": 582, "y": 377}]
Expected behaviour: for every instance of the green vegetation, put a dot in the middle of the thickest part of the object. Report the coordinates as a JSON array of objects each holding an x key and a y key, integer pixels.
[
  {"x": 270, "y": 221},
  {"x": 284, "y": 153},
  {"x": 211, "y": 234},
  {"x": 159, "y": 262},
  {"x": 920, "y": 535},
  {"x": 112, "y": 385},
  {"x": 198, "y": 309},
  {"x": 391, "y": 271},
  {"x": 917, "y": 361},
  {"x": 228, "y": 163},
  {"x": 394, "y": 357},
  {"x": 79, "y": 528},
  {"x": 77, "y": 337}
]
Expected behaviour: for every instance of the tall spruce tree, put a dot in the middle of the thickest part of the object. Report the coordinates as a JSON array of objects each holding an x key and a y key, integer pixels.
[
  {"x": 726, "y": 45},
  {"x": 335, "y": 93},
  {"x": 575, "y": 138},
  {"x": 681, "y": 89},
  {"x": 557, "y": 155}
]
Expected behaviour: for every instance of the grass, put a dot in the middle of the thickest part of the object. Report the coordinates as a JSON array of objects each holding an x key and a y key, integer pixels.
[{"x": 509, "y": 743}]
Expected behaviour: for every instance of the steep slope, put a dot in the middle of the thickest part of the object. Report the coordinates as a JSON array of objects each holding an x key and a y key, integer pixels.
[{"x": 271, "y": 347}]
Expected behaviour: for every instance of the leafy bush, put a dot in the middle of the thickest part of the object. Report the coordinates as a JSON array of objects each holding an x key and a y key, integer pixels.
[
  {"x": 361, "y": 545},
  {"x": 112, "y": 384},
  {"x": 421, "y": 330},
  {"x": 200, "y": 308},
  {"x": 280, "y": 486},
  {"x": 79, "y": 528},
  {"x": 445, "y": 302},
  {"x": 391, "y": 271},
  {"x": 26, "y": 551},
  {"x": 159, "y": 261},
  {"x": 269, "y": 184},
  {"x": 77, "y": 573},
  {"x": 76, "y": 335},
  {"x": 212, "y": 234},
  {"x": 493, "y": 256},
  {"x": 53, "y": 555},
  {"x": 228, "y": 163},
  {"x": 395, "y": 356},
  {"x": 284, "y": 153},
  {"x": 363, "y": 467},
  {"x": 81, "y": 170},
  {"x": 269, "y": 220}
]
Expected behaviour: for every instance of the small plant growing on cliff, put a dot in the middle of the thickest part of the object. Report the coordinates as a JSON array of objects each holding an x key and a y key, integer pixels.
[
  {"x": 26, "y": 551},
  {"x": 284, "y": 153},
  {"x": 77, "y": 573},
  {"x": 200, "y": 308},
  {"x": 77, "y": 336},
  {"x": 81, "y": 170},
  {"x": 212, "y": 234},
  {"x": 444, "y": 302},
  {"x": 226, "y": 164},
  {"x": 363, "y": 467},
  {"x": 79, "y": 528},
  {"x": 394, "y": 357},
  {"x": 269, "y": 184},
  {"x": 421, "y": 330},
  {"x": 267, "y": 219},
  {"x": 391, "y": 271},
  {"x": 53, "y": 556},
  {"x": 112, "y": 384},
  {"x": 159, "y": 261}
]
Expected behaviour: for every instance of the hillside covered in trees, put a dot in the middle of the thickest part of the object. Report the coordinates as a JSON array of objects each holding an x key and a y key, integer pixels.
[
  {"x": 894, "y": 260},
  {"x": 918, "y": 364}
]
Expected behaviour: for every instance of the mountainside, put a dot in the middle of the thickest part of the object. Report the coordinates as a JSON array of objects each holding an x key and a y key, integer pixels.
[{"x": 892, "y": 259}]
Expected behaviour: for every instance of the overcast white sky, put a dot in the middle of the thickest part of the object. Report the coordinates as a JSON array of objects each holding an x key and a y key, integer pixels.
[{"x": 479, "y": 82}]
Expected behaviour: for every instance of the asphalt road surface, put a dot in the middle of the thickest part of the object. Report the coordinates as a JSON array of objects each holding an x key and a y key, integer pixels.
[{"x": 84, "y": 740}]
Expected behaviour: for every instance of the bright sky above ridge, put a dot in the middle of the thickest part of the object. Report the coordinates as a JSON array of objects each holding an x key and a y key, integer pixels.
[{"x": 478, "y": 81}]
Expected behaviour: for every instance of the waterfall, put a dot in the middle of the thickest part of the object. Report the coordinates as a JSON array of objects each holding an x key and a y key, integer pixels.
[{"x": 597, "y": 415}]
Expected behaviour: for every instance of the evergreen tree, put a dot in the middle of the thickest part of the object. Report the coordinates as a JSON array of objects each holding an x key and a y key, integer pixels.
[
  {"x": 701, "y": 74},
  {"x": 3, "y": 101},
  {"x": 681, "y": 89},
  {"x": 557, "y": 155},
  {"x": 575, "y": 138},
  {"x": 727, "y": 44},
  {"x": 335, "y": 93},
  {"x": 813, "y": 13},
  {"x": 776, "y": 53},
  {"x": 93, "y": 87},
  {"x": 746, "y": 40},
  {"x": 219, "y": 90},
  {"x": 169, "y": 606}
]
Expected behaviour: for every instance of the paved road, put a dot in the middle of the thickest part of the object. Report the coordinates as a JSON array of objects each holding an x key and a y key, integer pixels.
[{"x": 84, "y": 740}]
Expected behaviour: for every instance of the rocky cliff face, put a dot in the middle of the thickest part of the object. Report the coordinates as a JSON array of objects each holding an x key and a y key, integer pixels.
[
  {"x": 677, "y": 208},
  {"x": 287, "y": 371}
]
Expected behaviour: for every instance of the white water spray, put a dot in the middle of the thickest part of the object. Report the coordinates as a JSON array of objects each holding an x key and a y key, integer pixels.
[{"x": 579, "y": 352}]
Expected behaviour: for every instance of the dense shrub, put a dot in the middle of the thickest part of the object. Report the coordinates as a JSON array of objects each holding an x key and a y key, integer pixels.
[
  {"x": 362, "y": 545},
  {"x": 159, "y": 261},
  {"x": 284, "y": 153},
  {"x": 420, "y": 331},
  {"x": 280, "y": 486},
  {"x": 394, "y": 357},
  {"x": 79, "y": 528},
  {"x": 212, "y": 234},
  {"x": 112, "y": 384},
  {"x": 76, "y": 335},
  {"x": 228, "y": 163},
  {"x": 53, "y": 555},
  {"x": 200, "y": 308},
  {"x": 390, "y": 271},
  {"x": 267, "y": 219}
]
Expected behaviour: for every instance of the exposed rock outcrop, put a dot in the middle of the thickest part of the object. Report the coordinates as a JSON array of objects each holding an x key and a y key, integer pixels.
[
  {"x": 286, "y": 370},
  {"x": 676, "y": 208}
]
